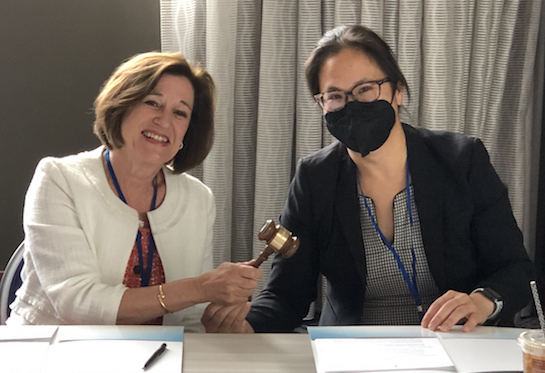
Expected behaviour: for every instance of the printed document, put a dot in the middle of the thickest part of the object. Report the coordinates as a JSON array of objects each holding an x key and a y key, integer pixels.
[{"x": 380, "y": 354}]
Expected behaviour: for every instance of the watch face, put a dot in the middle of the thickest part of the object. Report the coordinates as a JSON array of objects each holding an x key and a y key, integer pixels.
[
  {"x": 491, "y": 294},
  {"x": 494, "y": 298}
]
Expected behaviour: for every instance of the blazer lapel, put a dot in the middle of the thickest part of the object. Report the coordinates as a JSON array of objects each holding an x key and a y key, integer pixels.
[
  {"x": 348, "y": 213},
  {"x": 427, "y": 181}
]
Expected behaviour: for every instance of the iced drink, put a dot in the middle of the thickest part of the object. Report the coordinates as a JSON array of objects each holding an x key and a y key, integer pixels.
[{"x": 532, "y": 343}]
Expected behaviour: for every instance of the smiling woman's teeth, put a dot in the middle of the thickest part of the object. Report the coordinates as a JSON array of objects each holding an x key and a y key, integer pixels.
[{"x": 155, "y": 137}]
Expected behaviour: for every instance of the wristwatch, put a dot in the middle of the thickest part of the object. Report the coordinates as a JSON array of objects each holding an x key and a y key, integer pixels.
[{"x": 494, "y": 297}]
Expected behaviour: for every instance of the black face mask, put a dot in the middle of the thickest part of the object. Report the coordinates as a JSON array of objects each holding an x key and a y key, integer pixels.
[{"x": 362, "y": 126}]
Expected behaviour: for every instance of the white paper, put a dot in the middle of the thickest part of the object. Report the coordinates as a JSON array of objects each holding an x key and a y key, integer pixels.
[
  {"x": 119, "y": 356},
  {"x": 485, "y": 355},
  {"x": 23, "y": 356},
  {"x": 23, "y": 348},
  {"x": 372, "y": 354}
]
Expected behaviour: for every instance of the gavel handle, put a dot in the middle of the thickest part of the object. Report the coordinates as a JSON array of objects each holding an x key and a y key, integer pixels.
[{"x": 263, "y": 256}]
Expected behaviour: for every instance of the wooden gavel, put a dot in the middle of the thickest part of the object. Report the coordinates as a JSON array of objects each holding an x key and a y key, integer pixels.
[{"x": 279, "y": 240}]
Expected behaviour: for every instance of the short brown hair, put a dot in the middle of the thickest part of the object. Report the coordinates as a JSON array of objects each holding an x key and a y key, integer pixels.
[
  {"x": 355, "y": 37},
  {"x": 133, "y": 80}
]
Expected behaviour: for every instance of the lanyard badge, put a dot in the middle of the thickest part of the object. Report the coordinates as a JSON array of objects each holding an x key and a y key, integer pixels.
[
  {"x": 145, "y": 272},
  {"x": 409, "y": 280}
]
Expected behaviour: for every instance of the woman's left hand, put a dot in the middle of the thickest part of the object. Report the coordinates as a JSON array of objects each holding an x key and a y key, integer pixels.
[{"x": 453, "y": 306}]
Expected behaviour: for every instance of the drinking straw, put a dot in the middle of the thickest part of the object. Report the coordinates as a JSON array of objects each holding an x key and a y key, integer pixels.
[{"x": 538, "y": 306}]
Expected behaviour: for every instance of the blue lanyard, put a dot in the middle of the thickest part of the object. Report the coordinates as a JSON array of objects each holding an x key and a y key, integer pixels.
[
  {"x": 411, "y": 284},
  {"x": 145, "y": 273}
]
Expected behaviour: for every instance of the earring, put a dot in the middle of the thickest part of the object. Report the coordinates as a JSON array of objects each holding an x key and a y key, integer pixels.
[{"x": 181, "y": 146}]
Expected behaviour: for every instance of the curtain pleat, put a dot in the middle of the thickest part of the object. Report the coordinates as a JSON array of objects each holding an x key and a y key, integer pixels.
[
  {"x": 221, "y": 47},
  {"x": 347, "y": 12},
  {"x": 408, "y": 52},
  {"x": 469, "y": 66},
  {"x": 245, "y": 120},
  {"x": 276, "y": 113},
  {"x": 309, "y": 136},
  {"x": 372, "y": 15}
]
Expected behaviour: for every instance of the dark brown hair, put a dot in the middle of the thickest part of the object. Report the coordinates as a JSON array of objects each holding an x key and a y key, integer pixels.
[
  {"x": 359, "y": 38},
  {"x": 133, "y": 80}
]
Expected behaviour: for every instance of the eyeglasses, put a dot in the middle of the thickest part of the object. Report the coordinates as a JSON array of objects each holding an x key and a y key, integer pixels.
[{"x": 363, "y": 92}]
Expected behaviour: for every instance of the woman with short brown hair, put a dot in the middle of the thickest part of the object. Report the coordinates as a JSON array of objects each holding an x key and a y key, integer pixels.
[{"x": 121, "y": 234}]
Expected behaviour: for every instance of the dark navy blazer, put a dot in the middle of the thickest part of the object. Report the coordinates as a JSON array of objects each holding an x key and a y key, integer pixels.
[{"x": 470, "y": 235}]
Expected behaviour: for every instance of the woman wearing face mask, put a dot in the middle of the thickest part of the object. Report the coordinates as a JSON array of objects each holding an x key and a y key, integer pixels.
[{"x": 409, "y": 226}]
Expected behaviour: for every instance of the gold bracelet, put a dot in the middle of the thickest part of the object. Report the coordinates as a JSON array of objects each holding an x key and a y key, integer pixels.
[{"x": 160, "y": 297}]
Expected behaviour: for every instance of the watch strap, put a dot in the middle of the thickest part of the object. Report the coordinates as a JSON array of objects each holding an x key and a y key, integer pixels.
[{"x": 494, "y": 297}]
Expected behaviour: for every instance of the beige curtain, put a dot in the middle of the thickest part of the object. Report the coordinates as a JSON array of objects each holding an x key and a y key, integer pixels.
[{"x": 469, "y": 64}]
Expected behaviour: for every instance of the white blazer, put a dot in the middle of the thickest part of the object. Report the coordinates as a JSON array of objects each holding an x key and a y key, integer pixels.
[{"x": 79, "y": 236}]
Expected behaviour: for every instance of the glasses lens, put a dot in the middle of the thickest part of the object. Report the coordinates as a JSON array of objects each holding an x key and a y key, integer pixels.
[
  {"x": 334, "y": 100},
  {"x": 366, "y": 92}
]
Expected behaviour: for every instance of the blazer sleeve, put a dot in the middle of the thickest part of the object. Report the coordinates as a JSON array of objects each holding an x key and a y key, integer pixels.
[
  {"x": 190, "y": 317},
  {"x": 64, "y": 262},
  {"x": 292, "y": 285},
  {"x": 501, "y": 257}
]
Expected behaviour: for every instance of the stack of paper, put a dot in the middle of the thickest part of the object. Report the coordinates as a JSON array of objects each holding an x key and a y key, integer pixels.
[
  {"x": 114, "y": 349},
  {"x": 24, "y": 348},
  {"x": 407, "y": 348}
]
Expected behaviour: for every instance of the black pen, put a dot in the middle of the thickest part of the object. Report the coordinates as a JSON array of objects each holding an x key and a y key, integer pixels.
[{"x": 155, "y": 356}]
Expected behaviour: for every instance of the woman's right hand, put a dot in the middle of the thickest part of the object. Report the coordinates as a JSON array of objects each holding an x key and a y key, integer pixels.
[
  {"x": 230, "y": 283},
  {"x": 227, "y": 319}
]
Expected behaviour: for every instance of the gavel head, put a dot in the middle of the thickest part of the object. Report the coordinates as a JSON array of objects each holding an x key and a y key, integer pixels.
[{"x": 279, "y": 239}]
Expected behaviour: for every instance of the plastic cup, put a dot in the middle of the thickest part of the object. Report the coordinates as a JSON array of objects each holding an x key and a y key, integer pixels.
[{"x": 532, "y": 343}]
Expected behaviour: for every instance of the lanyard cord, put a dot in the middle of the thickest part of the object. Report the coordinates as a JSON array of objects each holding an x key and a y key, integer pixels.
[
  {"x": 145, "y": 273},
  {"x": 411, "y": 284}
]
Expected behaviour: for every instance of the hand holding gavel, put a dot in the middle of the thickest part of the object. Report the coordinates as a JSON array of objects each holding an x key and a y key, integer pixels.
[
  {"x": 279, "y": 240},
  {"x": 219, "y": 318}
]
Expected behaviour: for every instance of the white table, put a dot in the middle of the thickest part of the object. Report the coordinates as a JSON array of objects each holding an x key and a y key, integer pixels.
[
  {"x": 479, "y": 351},
  {"x": 286, "y": 353}
]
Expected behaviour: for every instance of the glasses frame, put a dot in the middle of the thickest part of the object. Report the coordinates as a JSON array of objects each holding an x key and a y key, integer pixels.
[{"x": 319, "y": 97}]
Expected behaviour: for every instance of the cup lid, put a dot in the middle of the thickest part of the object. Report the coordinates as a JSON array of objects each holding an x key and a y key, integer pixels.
[{"x": 532, "y": 338}]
